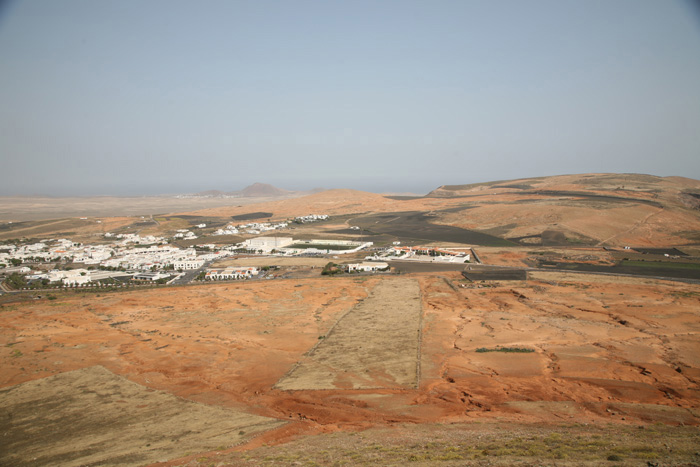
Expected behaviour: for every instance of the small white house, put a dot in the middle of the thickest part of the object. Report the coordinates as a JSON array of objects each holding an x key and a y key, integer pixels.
[
  {"x": 71, "y": 277},
  {"x": 150, "y": 276},
  {"x": 188, "y": 264},
  {"x": 231, "y": 273},
  {"x": 367, "y": 267}
]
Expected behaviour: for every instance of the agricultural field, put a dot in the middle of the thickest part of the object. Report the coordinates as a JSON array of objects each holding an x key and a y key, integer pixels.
[
  {"x": 375, "y": 345},
  {"x": 417, "y": 226},
  {"x": 252, "y": 216}
]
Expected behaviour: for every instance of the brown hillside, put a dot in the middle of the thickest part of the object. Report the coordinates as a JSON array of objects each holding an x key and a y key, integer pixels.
[
  {"x": 607, "y": 209},
  {"x": 342, "y": 354},
  {"x": 332, "y": 202},
  {"x": 593, "y": 209}
]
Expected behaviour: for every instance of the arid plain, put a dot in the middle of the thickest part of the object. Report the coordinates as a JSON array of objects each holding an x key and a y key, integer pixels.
[{"x": 564, "y": 368}]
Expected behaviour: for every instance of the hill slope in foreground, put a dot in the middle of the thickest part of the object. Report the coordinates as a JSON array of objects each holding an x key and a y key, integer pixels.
[
  {"x": 387, "y": 370},
  {"x": 593, "y": 209}
]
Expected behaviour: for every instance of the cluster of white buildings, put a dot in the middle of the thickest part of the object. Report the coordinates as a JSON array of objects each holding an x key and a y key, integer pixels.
[
  {"x": 129, "y": 252},
  {"x": 188, "y": 234},
  {"x": 123, "y": 254},
  {"x": 423, "y": 254},
  {"x": 231, "y": 273},
  {"x": 289, "y": 247},
  {"x": 185, "y": 234},
  {"x": 373, "y": 266},
  {"x": 125, "y": 239},
  {"x": 62, "y": 248},
  {"x": 74, "y": 277},
  {"x": 150, "y": 257},
  {"x": 228, "y": 230},
  {"x": 311, "y": 218},
  {"x": 254, "y": 228}
]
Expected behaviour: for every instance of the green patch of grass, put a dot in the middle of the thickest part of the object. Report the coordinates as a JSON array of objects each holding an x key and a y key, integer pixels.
[
  {"x": 505, "y": 349},
  {"x": 687, "y": 294}
]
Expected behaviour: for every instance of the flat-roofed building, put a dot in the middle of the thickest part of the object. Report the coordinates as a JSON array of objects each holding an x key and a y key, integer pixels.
[
  {"x": 188, "y": 264},
  {"x": 367, "y": 267},
  {"x": 267, "y": 244},
  {"x": 231, "y": 273}
]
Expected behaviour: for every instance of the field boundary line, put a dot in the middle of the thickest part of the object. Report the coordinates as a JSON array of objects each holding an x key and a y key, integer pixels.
[
  {"x": 311, "y": 351},
  {"x": 419, "y": 349}
]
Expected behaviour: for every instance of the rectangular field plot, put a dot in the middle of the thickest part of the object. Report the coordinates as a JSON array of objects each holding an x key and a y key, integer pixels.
[
  {"x": 94, "y": 417},
  {"x": 375, "y": 345}
]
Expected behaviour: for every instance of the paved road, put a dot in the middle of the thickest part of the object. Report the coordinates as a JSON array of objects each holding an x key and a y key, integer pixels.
[
  {"x": 190, "y": 275},
  {"x": 4, "y": 289},
  {"x": 596, "y": 273}
]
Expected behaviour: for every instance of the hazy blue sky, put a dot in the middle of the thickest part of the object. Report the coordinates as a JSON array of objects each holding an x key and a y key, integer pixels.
[{"x": 158, "y": 96}]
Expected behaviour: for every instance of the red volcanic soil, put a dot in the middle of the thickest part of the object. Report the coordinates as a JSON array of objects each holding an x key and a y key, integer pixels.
[{"x": 597, "y": 349}]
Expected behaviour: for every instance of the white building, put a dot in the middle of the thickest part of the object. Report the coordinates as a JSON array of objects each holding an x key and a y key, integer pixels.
[
  {"x": 150, "y": 276},
  {"x": 231, "y": 273},
  {"x": 367, "y": 267},
  {"x": 311, "y": 218},
  {"x": 17, "y": 269},
  {"x": 267, "y": 244},
  {"x": 72, "y": 277},
  {"x": 229, "y": 230},
  {"x": 321, "y": 247},
  {"x": 188, "y": 264}
]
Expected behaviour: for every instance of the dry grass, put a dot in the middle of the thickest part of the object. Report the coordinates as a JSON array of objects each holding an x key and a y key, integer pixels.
[
  {"x": 375, "y": 345},
  {"x": 484, "y": 444},
  {"x": 74, "y": 419}
]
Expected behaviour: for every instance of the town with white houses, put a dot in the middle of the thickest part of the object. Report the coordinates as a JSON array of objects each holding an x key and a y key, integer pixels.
[{"x": 153, "y": 259}]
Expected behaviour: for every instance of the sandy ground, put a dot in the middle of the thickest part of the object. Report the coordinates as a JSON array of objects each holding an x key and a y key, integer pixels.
[
  {"x": 89, "y": 230},
  {"x": 77, "y": 415},
  {"x": 603, "y": 349},
  {"x": 25, "y": 208}
]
